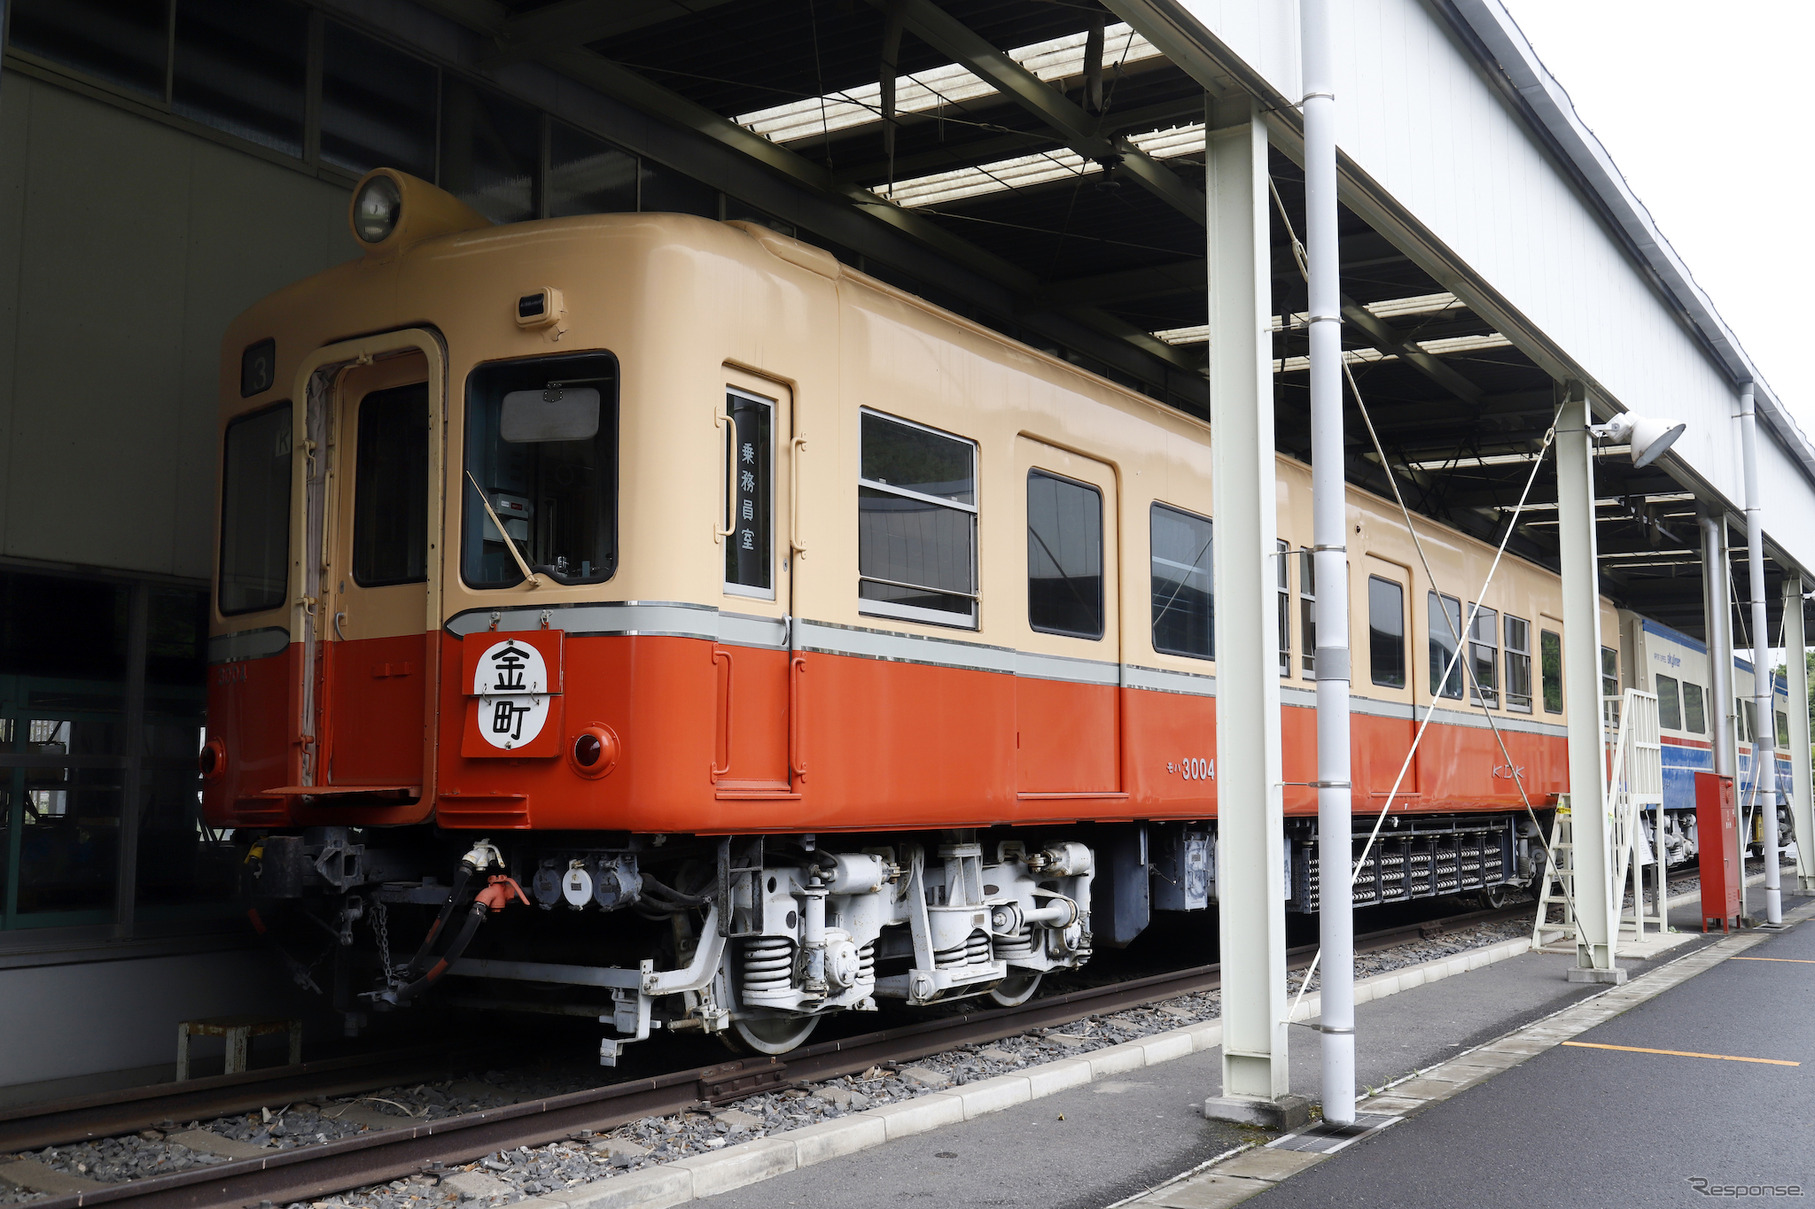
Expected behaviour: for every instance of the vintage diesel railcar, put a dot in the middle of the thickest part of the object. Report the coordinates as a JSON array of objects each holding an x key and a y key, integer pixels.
[{"x": 746, "y": 639}]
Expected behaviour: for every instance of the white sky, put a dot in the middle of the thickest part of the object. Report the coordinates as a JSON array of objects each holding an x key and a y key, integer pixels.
[{"x": 1706, "y": 109}]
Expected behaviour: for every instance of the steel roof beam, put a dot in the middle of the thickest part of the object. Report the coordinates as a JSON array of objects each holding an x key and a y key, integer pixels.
[
  {"x": 1076, "y": 128},
  {"x": 578, "y": 22},
  {"x": 1381, "y": 335}
]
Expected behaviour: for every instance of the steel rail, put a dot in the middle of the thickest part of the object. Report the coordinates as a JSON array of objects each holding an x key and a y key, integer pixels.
[
  {"x": 109, "y": 1114},
  {"x": 308, "y": 1172}
]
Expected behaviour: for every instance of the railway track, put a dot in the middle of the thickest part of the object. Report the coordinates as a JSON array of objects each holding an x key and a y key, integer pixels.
[{"x": 307, "y": 1172}]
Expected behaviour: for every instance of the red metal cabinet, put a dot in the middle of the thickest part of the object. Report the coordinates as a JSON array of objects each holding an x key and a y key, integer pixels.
[{"x": 1717, "y": 836}]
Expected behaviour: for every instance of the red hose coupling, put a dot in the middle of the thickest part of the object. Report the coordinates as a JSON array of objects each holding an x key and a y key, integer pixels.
[{"x": 498, "y": 892}]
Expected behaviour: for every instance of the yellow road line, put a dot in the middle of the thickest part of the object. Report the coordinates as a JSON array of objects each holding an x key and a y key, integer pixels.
[
  {"x": 1801, "y": 961},
  {"x": 1680, "y": 1053}
]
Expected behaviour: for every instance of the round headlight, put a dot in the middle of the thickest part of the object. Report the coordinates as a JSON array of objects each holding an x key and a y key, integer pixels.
[{"x": 376, "y": 209}]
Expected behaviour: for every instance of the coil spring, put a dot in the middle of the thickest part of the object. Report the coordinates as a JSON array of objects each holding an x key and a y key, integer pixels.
[
  {"x": 866, "y": 963},
  {"x": 976, "y": 948},
  {"x": 946, "y": 959},
  {"x": 1018, "y": 947},
  {"x": 768, "y": 964}
]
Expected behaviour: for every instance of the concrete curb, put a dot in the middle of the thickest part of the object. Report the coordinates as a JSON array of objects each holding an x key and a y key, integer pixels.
[{"x": 704, "y": 1175}]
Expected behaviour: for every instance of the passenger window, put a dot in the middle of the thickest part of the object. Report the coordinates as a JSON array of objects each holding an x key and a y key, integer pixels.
[
  {"x": 1484, "y": 656},
  {"x": 1610, "y": 687},
  {"x": 1518, "y": 664},
  {"x": 391, "y": 487},
  {"x": 1284, "y": 559},
  {"x": 1064, "y": 556},
  {"x": 748, "y": 562},
  {"x": 1695, "y": 715},
  {"x": 1307, "y": 614},
  {"x": 916, "y": 523},
  {"x": 1386, "y": 632},
  {"x": 255, "y": 512},
  {"x": 1550, "y": 658},
  {"x": 541, "y": 470},
  {"x": 1783, "y": 729},
  {"x": 1184, "y": 605},
  {"x": 1748, "y": 719},
  {"x": 1669, "y": 708},
  {"x": 1445, "y": 621}
]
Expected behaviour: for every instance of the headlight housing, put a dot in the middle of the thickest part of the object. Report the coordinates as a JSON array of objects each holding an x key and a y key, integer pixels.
[{"x": 376, "y": 209}]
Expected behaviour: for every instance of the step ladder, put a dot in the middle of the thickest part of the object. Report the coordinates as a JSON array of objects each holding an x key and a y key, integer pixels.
[
  {"x": 1635, "y": 785},
  {"x": 1558, "y": 936}
]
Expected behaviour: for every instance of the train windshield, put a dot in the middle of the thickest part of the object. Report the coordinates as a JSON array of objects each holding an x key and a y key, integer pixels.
[
  {"x": 541, "y": 470},
  {"x": 255, "y": 512}
]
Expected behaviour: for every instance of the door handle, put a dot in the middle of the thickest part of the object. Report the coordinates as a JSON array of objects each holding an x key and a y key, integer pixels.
[
  {"x": 338, "y": 618},
  {"x": 724, "y": 719},
  {"x": 724, "y": 421},
  {"x": 796, "y": 666},
  {"x": 794, "y": 542}
]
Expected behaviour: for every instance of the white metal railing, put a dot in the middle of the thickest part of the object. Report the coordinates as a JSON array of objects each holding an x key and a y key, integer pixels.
[{"x": 1635, "y": 784}]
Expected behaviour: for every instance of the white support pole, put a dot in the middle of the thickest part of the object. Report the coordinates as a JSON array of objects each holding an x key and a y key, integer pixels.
[
  {"x": 1764, "y": 743},
  {"x": 1796, "y": 667},
  {"x": 1250, "y": 882},
  {"x": 1596, "y": 916},
  {"x": 1329, "y": 525}
]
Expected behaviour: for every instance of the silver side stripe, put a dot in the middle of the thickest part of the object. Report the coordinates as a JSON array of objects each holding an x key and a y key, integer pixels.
[
  {"x": 248, "y": 644},
  {"x": 1164, "y": 680},
  {"x": 897, "y": 647},
  {"x": 673, "y": 619}
]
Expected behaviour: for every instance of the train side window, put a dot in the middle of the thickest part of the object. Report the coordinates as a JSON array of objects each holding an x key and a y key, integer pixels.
[
  {"x": 1550, "y": 660},
  {"x": 1445, "y": 622},
  {"x": 1184, "y": 604},
  {"x": 1484, "y": 655},
  {"x": 1748, "y": 719},
  {"x": 542, "y": 447},
  {"x": 1669, "y": 708},
  {"x": 748, "y": 563},
  {"x": 1518, "y": 664},
  {"x": 255, "y": 512},
  {"x": 1783, "y": 729},
  {"x": 1064, "y": 556},
  {"x": 1610, "y": 686},
  {"x": 1307, "y": 614},
  {"x": 1386, "y": 632},
  {"x": 391, "y": 487},
  {"x": 1695, "y": 715},
  {"x": 1284, "y": 561},
  {"x": 916, "y": 523}
]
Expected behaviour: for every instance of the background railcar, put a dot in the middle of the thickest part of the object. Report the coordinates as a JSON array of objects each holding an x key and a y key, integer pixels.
[
  {"x": 1676, "y": 667},
  {"x": 642, "y": 569}
]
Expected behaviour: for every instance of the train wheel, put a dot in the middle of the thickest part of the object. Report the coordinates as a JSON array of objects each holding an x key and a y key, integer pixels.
[
  {"x": 1015, "y": 990},
  {"x": 769, "y": 1034},
  {"x": 1493, "y": 897}
]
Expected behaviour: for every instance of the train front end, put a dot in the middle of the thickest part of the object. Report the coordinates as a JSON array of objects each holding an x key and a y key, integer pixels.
[{"x": 475, "y": 707}]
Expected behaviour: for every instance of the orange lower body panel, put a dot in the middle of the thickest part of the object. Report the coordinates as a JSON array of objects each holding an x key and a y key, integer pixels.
[{"x": 714, "y": 739}]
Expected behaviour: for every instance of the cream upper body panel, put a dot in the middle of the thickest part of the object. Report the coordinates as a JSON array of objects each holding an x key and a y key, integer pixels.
[{"x": 689, "y": 306}]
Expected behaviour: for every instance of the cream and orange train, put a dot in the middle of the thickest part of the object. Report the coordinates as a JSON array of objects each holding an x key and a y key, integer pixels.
[{"x": 747, "y": 639}]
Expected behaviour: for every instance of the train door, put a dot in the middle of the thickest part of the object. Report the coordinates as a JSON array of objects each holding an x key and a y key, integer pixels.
[
  {"x": 753, "y": 659},
  {"x": 376, "y": 656},
  {"x": 1068, "y": 668},
  {"x": 1383, "y": 734}
]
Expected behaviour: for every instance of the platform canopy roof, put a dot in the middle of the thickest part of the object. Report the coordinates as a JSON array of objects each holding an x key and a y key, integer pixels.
[{"x": 1038, "y": 166}]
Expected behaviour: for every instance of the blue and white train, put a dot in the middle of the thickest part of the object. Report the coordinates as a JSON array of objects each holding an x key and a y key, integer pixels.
[{"x": 1676, "y": 667}]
